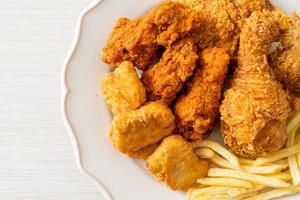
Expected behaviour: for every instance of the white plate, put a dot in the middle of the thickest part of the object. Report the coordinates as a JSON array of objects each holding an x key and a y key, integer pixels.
[{"x": 87, "y": 116}]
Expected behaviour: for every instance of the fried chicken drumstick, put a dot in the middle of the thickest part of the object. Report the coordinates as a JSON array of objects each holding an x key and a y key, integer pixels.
[
  {"x": 137, "y": 40},
  {"x": 255, "y": 108},
  {"x": 286, "y": 59},
  {"x": 197, "y": 110}
]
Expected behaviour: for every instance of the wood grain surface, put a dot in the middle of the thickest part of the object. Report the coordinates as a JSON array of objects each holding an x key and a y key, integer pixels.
[{"x": 36, "y": 158}]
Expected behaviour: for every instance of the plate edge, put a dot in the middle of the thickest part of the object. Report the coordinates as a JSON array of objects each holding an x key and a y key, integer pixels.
[{"x": 65, "y": 91}]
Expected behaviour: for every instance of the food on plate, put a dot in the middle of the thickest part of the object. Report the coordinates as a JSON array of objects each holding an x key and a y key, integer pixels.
[
  {"x": 122, "y": 89},
  {"x": 166, "y": 78},
  {"x": 138, "y": 40},
  {"x": 223, "y": 20},
  {"x": 175, "y": 163},
  {"x": 144, "y": 153},
  {"x": 197, "y": 110},
  {"x": 183, "y": 48},
  {"x": 225, "y": 182},
  {"x": 285, "y": 59},
  {"x": 268, "y": 175},
  {"x": 220, "y": 150},
  {"x": 133, "y": 130},
  {"x": 255, "y": 108}
]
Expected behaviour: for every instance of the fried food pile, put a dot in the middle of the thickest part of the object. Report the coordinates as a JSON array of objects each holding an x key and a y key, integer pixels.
[{"x": 186, "y": 51}]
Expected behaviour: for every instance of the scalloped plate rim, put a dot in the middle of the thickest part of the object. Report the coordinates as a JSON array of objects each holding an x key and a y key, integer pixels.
[{"x": 66, "y": 91}]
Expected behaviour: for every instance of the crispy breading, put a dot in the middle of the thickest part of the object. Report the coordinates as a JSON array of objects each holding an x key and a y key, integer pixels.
[
  {"x": 122, "y": 89},
  {"x": 255, "y": 108},
  {"x": 197, "y": 110},
  {"x": 175, "y": 163},
  {"x": 138, "y": 40},
  {"x": 223, "y": 20},
  {"x": 167, "y": 77},
  {"x": 133, "y": 130},
  {"x": 144, "y": 153},
  {"x": 285, "y": 59}
]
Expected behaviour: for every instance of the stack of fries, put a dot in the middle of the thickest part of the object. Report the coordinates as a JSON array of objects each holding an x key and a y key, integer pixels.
[{"x": 235, "y": 178}]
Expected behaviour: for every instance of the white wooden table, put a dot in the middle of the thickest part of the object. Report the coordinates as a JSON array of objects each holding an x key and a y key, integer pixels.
[{"x": 36, "y": 158}]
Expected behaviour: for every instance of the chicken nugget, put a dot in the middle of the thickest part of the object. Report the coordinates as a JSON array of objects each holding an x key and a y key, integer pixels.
[
  {"x": 122, "y": 89},
  {"x": 175, "y": 163},
  {"x": 133, "y": 130}
]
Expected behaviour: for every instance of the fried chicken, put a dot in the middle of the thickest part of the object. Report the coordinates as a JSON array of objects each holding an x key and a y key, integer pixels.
[
  {"x": 167, "y": 77},
  {"x": 197, "y": 110},
  {"x": 255, "y": 108},
  {"x": 286, "y": 58},
  {"x": 143, "y": 153},
  {"x": 133, "y": 130},
  {"x": 223, "y": 20},
  {"x": 138, "y": 40},
  {"x": 175, "y": 163},
  {"x": 122, "y": 89}
]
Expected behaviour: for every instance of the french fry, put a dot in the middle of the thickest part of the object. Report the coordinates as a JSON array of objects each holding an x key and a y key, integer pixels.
[
  {"x": 292, "y": 160},
  {"x": 294, "y": 122},
  {"x": 204, "y": 153},
  {"x": 225, "y": 182},
  {"x": 285, "y": 176},
  {"x": 258, "y": 179},
  {"x": 209, "y": 197},
  {"x": 237, "y": 191},
  {"x": 286, "y": 152},
  {"x": 221, "y": 162},
  {"x": 270, "y": 169},
  {"x": 246, "y": 161},
  {"x": 245, "y": 195},
  {"x": 210, "y": 190},
  {"x": 220, "y": 150},
  {"x": 275, "y": 193}
]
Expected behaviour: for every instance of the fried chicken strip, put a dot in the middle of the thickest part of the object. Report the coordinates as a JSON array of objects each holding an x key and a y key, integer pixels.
[
  {"x": 167, "y": 77},
  {"x": 197, "y": 110},
  {"x": 175, "y": 163},
  {"x": 138, "y": 40},
  {"x": 255, "y": 108}
]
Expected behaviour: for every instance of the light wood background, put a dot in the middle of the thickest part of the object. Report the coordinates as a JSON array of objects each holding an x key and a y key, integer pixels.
[{"x": 36, "y": 158}]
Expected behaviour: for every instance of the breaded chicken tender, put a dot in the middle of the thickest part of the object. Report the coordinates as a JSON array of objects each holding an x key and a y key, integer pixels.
[
  {"x": 144, "y": 153},
  {"x": 138, "y": 40},
  {"x": 167, "y": 77},
  {"x": 255, "y": 108},
  {"x": 197, "y": 110},
  {"x": 286, "y": 59},
  {"x": 122, "y": 89},
  {"x": 175, "y": 163},
  {"x": 133, "y": 130}
]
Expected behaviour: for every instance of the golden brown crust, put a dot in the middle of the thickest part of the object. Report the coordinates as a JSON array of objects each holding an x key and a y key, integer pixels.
[
  {"x": 223, "y": 20},
  {"x": 144, "y": 153},
  {"x": 167, "y": 77},
  {"x": 255, "y": 107},
  {"x": 285, "y": 59},
  {"x": 122, "y": 89},
  {"x": 175, "y": 163},
  {"x": 138, "y": 40},
  {"x": 197, "y": 110},
  {"x": 130, "y": 131}
]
